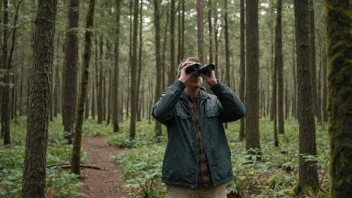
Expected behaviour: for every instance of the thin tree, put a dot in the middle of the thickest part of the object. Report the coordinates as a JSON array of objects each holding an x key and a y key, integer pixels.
[
  {"x": 200, "y": 30},
  {"x": 242, "y": 64},
  {"x": 210, "y": 31},
  {"x": 70, "y": 70},
  {"x": 115, "y": 105},
  {"x": 252, "y": 77},
  {"x": 280, "y": 66},
  {"x": 134, "y": 87},
  {"x": 312, "y": 60},
  {"x": 158, "y": 129},
  {"x": 172, "y": 73},
  {"x": 308, "y": 177},
  {"x": 5, "y": 109},
  {"x": 227, "y": 46},
  {"x": 339, "y": 49},
  {"x": 34, "y": 172},
  {"x": 76, "y": 150}
]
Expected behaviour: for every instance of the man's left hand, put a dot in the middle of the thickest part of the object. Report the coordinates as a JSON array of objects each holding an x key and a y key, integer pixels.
[{"x": 210, "y": 79}]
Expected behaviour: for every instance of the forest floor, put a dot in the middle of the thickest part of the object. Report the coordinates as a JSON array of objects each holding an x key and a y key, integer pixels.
[{"x": 104, "y": 183}]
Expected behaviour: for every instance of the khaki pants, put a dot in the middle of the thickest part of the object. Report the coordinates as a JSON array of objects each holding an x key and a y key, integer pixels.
[{"x": 173, "y": 191}]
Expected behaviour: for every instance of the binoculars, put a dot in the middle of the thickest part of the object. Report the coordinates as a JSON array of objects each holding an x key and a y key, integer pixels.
[{"x": 203, "y": 69}]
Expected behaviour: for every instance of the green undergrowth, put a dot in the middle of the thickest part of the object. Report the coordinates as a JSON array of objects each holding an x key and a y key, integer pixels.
[
  {"x": 60, "y": 183},
  {"x": 270, "y": 177}
]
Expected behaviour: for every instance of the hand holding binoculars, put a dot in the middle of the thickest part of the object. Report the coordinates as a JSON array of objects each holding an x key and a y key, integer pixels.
[{"x": 203, "y": 69}]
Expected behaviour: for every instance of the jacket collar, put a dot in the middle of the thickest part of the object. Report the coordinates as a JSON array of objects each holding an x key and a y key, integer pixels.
[{"x": 202, "y": 95}]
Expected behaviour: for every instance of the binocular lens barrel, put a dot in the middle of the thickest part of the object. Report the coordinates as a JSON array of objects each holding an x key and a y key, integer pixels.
[{"x": 203, "y": 69}]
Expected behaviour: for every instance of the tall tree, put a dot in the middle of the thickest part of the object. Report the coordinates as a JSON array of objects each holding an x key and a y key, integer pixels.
[
  {"x": 158, "y": 129},
  {"x": 115, "y": 105},
  {"x": 308, "y": 177},
  {"x": 5, "y": 109},
  {"x": 227, "y": 46},
  {"x": 210, "y": 17},
  {"x": 200, "y": 30},
  {"x": 339, "y": 49},
  {"x": 76, "y": 150},
  {"x": 33, "y": 184},
  {"x": 242, "y": 64},
  {"x": 134, "y": 87},
  {"x": 252, "y": 77},
  {"x": 172, "y": 73},
  {"x": 70, "y": 70},
  {"x": 312, "y": 61},
  {"x": 280, "y": 67}
]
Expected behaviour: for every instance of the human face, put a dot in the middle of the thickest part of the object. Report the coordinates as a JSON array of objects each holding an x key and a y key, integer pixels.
[{"x": 195, "y": 80}]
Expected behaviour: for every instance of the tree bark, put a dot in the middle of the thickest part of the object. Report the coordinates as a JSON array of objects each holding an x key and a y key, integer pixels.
[
  {"x": 70, "y": 70},
  {"x": 34, "y": 172},
  {"x": 280, "y": 67},
  {"x": 308, "y": 177},
  {"x": 227, "y": 47},
  {"x": 312, "y": 58},
  {"x": 242, "y": 65},
  {"x": 172, "y": 74},
  {"x": 252, "y": 80},
  {"x": 200, "y": 30},
  {"x": 158, "y": 128},
  {"x": 339, "y": 49},
  {"x": 210, "y": 8},
  {"x": 134, "y": 87},
  {"x": 76, "y": 150},
  {"x": 115, "y": 105},
  {"x": 5, "y": 109}
]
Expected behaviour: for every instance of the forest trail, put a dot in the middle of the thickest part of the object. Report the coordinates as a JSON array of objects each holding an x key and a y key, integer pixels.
[{"x": 101, "y": 183}]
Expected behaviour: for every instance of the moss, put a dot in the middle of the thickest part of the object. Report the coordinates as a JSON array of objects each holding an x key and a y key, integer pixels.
[{"x": 339, "y": 47}]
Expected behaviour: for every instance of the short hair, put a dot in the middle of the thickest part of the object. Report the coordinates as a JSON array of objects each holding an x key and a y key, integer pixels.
[{"x": 182, "y": 64}]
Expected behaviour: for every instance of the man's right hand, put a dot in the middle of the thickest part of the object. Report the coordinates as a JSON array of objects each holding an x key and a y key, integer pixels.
[{"x": 184, "y": 77}]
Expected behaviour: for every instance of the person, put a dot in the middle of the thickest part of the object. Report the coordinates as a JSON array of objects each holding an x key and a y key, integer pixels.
[{"x": 197, "y": 160}]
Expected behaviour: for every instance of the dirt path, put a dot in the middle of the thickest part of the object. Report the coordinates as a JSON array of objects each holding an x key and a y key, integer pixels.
[{"x": 101, "y": 183}]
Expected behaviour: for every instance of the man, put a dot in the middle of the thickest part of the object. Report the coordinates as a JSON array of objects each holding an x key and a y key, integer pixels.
[{"x": 197, "y": 161}]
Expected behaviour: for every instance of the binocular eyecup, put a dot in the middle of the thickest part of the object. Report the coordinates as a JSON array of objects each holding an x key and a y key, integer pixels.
[{"x": 203, "y": 69}]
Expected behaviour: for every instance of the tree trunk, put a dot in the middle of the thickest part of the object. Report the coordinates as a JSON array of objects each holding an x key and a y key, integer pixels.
[
  {"x": 312, "y": 61},
  {"x": 139, "y": 61},
  {"x": 172, "y": 73},
  {"x": 56, "y": 99},
  {"x": 210, "y": 31},
  {"x": 158, "y": 129},
  {"x": 100, "y": 82},
  {"x": 252, "y": 80},
  {"x": 242, "y": 66},
  {"x": 115, "y": 105},
  {"x": 308, "y": 177},
  {"x": 339, "y": 50},
  {"x": 93, "y": 95},
  {"x": 294, "y": 95},
  {"x": 325, "y": 90},
  {"x": 76, "y": 150},
  {"x": 280, "y": 67},
  {"x": 34, "y": 172},
  {"x": 70, "y": 70},
  {"x": 199, "y": 30},
  {"x": 274, "y": 96},
  {"x": 5, "y": 115},
  {"x": 134, "y": 87},
  {"x": 227, "y": 47}
]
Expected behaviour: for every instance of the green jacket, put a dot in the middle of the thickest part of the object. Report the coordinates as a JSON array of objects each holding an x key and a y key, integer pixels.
[{"x": 180, "y": 166}]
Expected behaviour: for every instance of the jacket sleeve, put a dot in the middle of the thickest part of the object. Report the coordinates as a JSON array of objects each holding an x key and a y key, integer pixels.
[
  {"x": 232, "y": 108},
  {"x": 163, "y": 109}
]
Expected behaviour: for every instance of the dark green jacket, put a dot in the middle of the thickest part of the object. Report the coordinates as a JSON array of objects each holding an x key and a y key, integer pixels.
[{"x": 181, "y": 155}]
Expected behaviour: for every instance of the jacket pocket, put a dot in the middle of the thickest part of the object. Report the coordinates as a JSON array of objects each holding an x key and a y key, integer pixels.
[
  {"x": 212, "y": 112},
  {"x": 182, "y": 113}
]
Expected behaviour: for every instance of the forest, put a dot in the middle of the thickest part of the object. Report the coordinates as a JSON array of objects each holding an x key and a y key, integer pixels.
[{"x": 78, "y": 80}]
